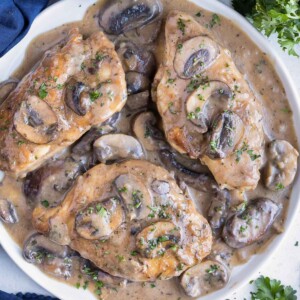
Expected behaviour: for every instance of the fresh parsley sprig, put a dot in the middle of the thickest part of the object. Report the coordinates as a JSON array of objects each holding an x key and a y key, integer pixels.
[
  {"x": 272, "y": 289},
  {"x": 281, "y": 17}
]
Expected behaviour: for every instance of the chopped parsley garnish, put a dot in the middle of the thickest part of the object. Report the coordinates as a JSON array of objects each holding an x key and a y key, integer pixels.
[
  {"x": 171, "y": 108},
  {"x": 43, "y": 91},
  {"x": 171, "y": 80},
  {"x": 94, "y": 95},
  {"x": 279, "y": 186},
  {"x": 137, "y": 197},
  {"x": 181, "y": 25},
  {"x": 120, "y": 258},
  {"x": 252, "y": 155},
  {"x": 102, "y": 211},
  {"x": 191, "y": 116},
  {"x": 214, "y": 146},
  {"x": 45, "y": 203},
  {"x": 212, "y": 269},
  {"x": 179, "y": 46},
  {"x": 100, "y": 56},
  {"x": 133, "y": 253},
  {"x": 123, "y": 189},
  {"x": 242, "y": 229},
  {"x": 215, "y": 20},
  {"x": 180, "y": 267}
]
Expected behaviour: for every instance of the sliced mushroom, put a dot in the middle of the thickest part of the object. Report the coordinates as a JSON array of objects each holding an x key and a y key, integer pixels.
[
  {"x": 6, "y": 87},
  {"x": 8, "y": 213},
  {"x": 138, "y": 101},
  {"x": 227, "y": 132},
  {"x": 37, "y": 247},
  {"x": 76, "y": 98},
  {"x": 48, "y": 184},
  {"x": 195, "y": 56},
  {"x": 156, "y": 239},
  {"x": 148, "y": 134},
  {"x": 113, "y": 147},
  {"x": 120, "y": 16},
  {"x": 282, "y": 165},
  {"x": 36, "y": 121},
  {"x": 99, "y": 219},
  {"x": 135, "y": 58},
  {"x": 204, "y": 278},
  {"x": 137, "y": 82},
  {"x": 85, "y": 144},
  {"x": 218, "y": 209},
  {"x": 145, "y": 34},
  {"x": 247, "y": 227},
  {"x": 208, "y": 100},
  {"x": 135, "y": 196}
]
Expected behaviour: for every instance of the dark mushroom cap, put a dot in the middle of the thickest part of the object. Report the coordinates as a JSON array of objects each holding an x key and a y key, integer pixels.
[
  {"x": 282, "y": 165},
  {"x": 120, "y": 16},
  {"x": 203, "y": 278},
  {"x": 249, "y": 226}
]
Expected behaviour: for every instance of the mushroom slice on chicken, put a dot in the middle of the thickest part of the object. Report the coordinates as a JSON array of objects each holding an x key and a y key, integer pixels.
[
  {"x": 282, "y": 165},
  {"x": 159, "y": 215},
  {"x": 135, "y": 196},
  {"x": 60, "y": 100},
  {"x": 204, "y": 278},
  {"x": 99, "y": 219},
  {"x": 249, "y": 226},
  {"x": 208, "y": 109},
  {"x": 120, "y": 16},
  {"x": 195, "y": 55}
]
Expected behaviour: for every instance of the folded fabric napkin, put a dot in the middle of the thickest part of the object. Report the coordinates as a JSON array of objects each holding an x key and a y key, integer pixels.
[
  {"x": 27, "y": 296},
  {"x": 16, "y": 17}
]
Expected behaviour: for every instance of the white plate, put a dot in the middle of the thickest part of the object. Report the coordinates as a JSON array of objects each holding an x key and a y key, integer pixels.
[{"x": 74, "y": 10}]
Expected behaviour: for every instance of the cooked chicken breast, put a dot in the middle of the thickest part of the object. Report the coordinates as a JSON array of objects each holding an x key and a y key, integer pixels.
[
  {"x": 207, "y": 107},
  {"x": 76, "y": 85},
  {"x": 131, "y": 220}
]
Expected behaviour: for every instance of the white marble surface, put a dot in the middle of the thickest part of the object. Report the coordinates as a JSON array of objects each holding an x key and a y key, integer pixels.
[{"x": 283, "y": 265}]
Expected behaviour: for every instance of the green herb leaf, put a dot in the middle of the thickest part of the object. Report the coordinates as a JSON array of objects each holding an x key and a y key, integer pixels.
[
  {"x": 43, "y": 91},
  {"x": 272, "y": 289},
  {"x": 45, "y": 203},
  {"x": 280, "y": 17}
]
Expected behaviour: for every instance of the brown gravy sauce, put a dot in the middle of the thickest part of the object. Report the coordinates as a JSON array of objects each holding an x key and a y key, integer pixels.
[{"x": 278, "y": 124}]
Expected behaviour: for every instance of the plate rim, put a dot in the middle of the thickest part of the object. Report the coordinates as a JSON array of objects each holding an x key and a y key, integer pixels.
[{"x": 260, "y": 41}]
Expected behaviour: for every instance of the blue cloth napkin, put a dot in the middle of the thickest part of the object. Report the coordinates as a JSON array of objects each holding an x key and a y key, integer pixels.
[
  {"x": 16, "y": 17},
  {"x": 27, "y": 296}
]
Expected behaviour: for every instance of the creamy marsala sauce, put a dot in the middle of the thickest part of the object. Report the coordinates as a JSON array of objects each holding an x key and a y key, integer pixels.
[{"x": 277, "y": 122}]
